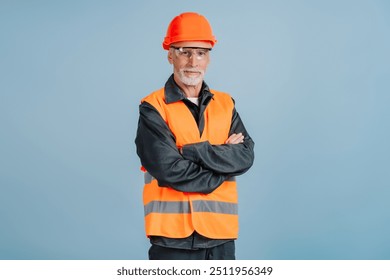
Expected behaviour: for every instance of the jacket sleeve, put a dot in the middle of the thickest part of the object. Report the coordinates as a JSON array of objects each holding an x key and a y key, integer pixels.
[
  {"x": 156, "y": 148},
  {"x": 229, "y": 159}
]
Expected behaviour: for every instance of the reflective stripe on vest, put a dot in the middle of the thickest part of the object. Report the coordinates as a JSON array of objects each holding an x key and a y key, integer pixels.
[
  {"x": 172, "y": 207},
  {"x": 180, "y": 207}
]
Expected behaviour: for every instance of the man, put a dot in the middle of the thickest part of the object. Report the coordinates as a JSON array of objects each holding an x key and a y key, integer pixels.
[{"x": 191, "y": 143}]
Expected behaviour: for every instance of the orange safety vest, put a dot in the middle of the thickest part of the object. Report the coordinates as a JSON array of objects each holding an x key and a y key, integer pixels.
[{"x": 175, "y": 214}]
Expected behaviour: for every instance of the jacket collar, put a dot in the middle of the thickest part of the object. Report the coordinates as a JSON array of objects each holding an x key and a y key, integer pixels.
[{"x": 173, "y": 93}]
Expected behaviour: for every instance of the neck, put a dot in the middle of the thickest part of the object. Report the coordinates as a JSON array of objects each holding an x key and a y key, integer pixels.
[{"x": 189, "y": 91}]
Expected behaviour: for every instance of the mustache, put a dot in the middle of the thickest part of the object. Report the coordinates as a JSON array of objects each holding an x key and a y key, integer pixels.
[{"x": 192, "y": 70}]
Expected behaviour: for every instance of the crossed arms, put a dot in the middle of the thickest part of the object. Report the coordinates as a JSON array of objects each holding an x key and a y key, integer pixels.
[{"x": 199, "y": 167}]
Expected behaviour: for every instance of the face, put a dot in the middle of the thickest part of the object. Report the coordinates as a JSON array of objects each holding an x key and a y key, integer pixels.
[{"x": 189, "y": 68}]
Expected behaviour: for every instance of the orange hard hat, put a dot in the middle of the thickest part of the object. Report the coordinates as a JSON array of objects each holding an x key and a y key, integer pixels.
[{"x": 188, "y": 27}]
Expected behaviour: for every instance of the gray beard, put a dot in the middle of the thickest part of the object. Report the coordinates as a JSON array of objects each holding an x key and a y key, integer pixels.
[
  {"x": 191, "y": 81},
  {"x": 188, "y": 81}
]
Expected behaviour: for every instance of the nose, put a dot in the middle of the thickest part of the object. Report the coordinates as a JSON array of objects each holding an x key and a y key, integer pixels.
[{"x": 193, "y": 61}]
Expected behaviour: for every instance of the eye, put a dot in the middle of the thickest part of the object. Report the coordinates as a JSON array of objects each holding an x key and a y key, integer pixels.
[
  {"x": 185, "y": 53},
  {"x": 201, "y": 53}
]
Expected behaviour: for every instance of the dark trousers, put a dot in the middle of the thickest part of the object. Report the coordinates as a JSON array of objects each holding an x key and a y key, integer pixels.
[{"x": 225, "y": 251}]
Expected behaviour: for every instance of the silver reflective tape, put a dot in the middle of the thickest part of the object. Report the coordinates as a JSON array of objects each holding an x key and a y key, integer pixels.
[
  {"x": 148, "y": 178},
  {"x": 215, "y": 207},
  {"x": 167, "y": 207}
]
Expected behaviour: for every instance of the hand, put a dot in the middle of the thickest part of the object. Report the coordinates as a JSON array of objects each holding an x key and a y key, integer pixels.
[{"x": 235, "y": 139}]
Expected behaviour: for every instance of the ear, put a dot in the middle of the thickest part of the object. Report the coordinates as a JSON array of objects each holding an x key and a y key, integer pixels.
[{"x": 170, "y": 58}]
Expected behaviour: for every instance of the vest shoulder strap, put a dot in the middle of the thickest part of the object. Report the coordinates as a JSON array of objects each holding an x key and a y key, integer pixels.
[{"x": 157, "y": 100}]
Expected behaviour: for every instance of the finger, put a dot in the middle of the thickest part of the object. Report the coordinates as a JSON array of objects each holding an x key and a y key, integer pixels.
[
  {"x": 230, "y": 139},
  {"x": 239, "y": 140},
  {"x": 235, "y": 139}
]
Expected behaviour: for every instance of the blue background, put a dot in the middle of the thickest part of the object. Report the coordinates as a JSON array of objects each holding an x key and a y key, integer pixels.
[{"x": 310, "y": 80}]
